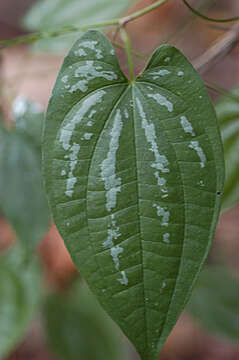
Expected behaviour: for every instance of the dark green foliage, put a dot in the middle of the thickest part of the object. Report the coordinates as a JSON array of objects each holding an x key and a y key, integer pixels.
[{"x": 134, "y": 173}]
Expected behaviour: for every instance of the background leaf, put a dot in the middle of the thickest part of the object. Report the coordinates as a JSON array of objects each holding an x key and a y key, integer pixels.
[
  {"x": 134, "y": 173},
  {"x": 227, "y": 110},
  {"x": 28, "y": 117},
  {"x": 19, "y": 297},
  {"x": 45, "y": 15},
  {"x": 215, "y": 302},
  {"x": 77, "y": 327},
  {"x": 22, "y": 199}
]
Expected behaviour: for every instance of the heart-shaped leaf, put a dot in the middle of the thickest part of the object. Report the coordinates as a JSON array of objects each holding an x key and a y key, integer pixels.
[
  {"x": 134, "y": 173},
  {"x": 227, "y": 110}
]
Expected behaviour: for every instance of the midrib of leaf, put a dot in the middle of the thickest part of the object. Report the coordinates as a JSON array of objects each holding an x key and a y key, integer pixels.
[
  {"x": 141, "y": 245},
  {"x": 170, "y": 144}
]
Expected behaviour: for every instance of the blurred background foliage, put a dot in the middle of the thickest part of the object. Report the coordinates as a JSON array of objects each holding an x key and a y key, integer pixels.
[{"x": 46, "y": 309}]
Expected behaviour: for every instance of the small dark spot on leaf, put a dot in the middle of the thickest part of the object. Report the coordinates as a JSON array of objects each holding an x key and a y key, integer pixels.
[{"x": 219, "y": 193}]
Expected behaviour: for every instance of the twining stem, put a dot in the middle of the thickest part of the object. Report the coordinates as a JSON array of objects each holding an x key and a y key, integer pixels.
[
  {"x": 118, "y": 22},
  {"x": 207, "y": 18},
  {"x": 127, "y": 47}
]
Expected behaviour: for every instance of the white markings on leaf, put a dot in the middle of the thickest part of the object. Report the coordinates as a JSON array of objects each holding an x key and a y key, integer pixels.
[
  {"x": 91, "y": 114},
  {"x": 187, "y": 127},
  {"x": 162, "y": 100},
  {"x": 162, "y": 183},
  {"x": 80, "y": 52},
  {"x": 63, "y": 172},
  {"x": 112, "y": 185},
  {"x": 126, "y": 114},
  {"x": 167, "y": 59},
  {"x": 115, "y": 251},
  {"x": 113, "y": 234},
  {"x": 161, "y": 72},
  {"x": 90, "y": 72},
  {"x": 66, "y": 134},
  {"x": 87, "y": 104},
  {"x": 195, "y": 146},
  {"x": 180, "y": 73},
  {"x": 108, "y": 166},
  {"x": 92, "y": 46},
  {"x": 64, "y": 79},
  {"x": 71, "y": 181},
  {"x": 87, "y": 136},
  {"x": 164, "y": 213},
  {"x": 124, "y": 280},
  {"x": 161, "y": 162},
  {"x": 166, "y": 238}
]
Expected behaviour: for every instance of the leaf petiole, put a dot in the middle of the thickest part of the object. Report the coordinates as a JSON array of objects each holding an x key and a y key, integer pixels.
[{"x": 127, "y": 46}]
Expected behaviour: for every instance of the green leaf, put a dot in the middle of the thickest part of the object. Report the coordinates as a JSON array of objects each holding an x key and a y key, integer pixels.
[
  {"x": 77, "y": 327},
  {"x": 20, "y": 297},
  {"x": 227, "y": 110},
  {"x": 29, "y": 117},
  {"x": 22, "y": 198},
  {"x": 134, "y": 173},
  {"x": 45, "y": 15},
  {"x": 215, "y": 302}
]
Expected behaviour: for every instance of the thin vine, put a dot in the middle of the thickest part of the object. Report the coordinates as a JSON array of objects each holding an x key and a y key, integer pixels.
[{"x": 207, "y": 18}]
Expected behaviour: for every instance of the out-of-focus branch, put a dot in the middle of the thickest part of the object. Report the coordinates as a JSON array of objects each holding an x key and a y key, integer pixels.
[{"x": 219, "y": 49}]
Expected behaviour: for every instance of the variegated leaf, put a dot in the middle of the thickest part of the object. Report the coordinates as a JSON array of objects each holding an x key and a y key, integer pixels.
[{"x": 134, "y": 172}]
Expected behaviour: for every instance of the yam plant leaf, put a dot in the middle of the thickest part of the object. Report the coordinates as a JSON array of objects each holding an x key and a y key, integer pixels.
[
  {"x": 134, "y": 173},
  {"x": 77, "y": 327},
  {"x": 22, "y": 198},
  {"x": 216, "y": 307},
  {"x": 48, "y": 15},
  {"x": 20, "y": 297},
  {"x": 227, "y": 110}
]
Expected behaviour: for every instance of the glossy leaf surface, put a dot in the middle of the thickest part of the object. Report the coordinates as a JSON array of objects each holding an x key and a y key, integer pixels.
[
  {"x": 134, "y": 173},
  {"x": 77, "y": 327},
  {"x": 20, "y": 296},
  {"x": 45, "y": 15},
  {"x": 228, "y": 114},
  {"x": 215, "y": 302}
]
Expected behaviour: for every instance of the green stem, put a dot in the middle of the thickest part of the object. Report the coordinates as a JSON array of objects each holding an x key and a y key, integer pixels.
[
  {"x": 204, "y": 17},
  {"x": 127, "y": 46},
  {"x": 135, "y": 53},
  {"x": 40, "y": 35},
  {"x": 142, "y": 12}
]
